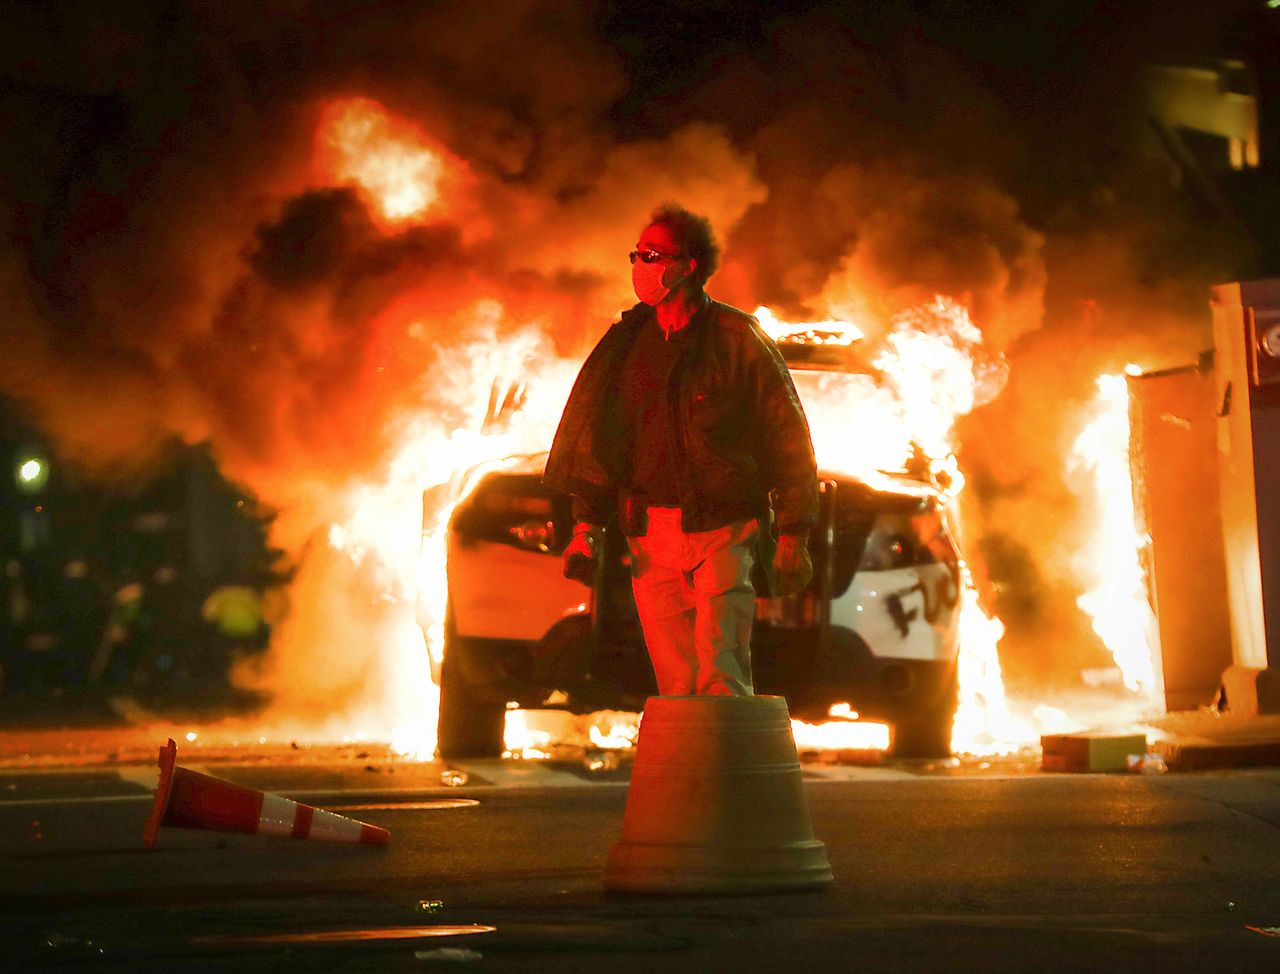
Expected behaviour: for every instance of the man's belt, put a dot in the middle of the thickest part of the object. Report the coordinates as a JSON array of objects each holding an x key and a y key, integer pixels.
[{"x": 633, "y": 513}]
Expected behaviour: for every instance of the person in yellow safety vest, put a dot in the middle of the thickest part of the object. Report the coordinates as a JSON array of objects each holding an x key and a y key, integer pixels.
[{"x": 235, "y": 611}]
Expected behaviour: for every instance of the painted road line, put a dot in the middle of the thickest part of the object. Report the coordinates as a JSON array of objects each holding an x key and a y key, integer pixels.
[{"x": 82, "y": 800}]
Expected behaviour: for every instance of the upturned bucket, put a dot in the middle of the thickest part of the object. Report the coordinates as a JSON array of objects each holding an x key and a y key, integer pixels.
[{"x": 716, "y": 803}]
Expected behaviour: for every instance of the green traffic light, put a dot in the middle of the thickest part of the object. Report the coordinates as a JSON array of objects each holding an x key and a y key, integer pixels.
[{"x": 32, "y": 473}]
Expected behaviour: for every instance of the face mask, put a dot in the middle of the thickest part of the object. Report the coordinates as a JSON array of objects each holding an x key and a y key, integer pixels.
[{"x": 647, "y": 280}]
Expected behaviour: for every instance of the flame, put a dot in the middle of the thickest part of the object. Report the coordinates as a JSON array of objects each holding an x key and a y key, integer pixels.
[
  {"x": 933, "y": 367},
  {"x": 829, "y": 332},
  {"x": 480, "y": 418},
  {"x": 468, "y": 420},
  {"x": 523, "y": 741},
  {"x": 388, "y": 158},
  {"x": 894, "y": 411},
  {"x": 843, "y": 732},
  {"x": 612, "y": 730},
  {"x": 1117, "y": 603},
  {"x": 539, "y": 734},
  {"x": 936, "y": 361},
  {"x": 983, "y": 722}
]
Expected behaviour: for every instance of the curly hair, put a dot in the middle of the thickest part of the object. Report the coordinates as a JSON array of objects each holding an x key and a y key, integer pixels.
[{"x": 693, "y": 235}]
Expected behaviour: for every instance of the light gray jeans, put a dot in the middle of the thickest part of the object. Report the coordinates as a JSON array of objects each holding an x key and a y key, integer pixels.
[{"x": 696, "y": 604}]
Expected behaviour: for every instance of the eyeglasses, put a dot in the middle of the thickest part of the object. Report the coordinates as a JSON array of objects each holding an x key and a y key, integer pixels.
[{"x": 651, "y": 256}]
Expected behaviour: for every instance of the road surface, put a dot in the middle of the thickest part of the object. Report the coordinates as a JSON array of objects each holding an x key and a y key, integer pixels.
[{"x": 996, "y": 868}]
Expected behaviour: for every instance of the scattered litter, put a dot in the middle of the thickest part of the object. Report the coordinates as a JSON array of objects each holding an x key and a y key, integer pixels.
[
  {"x": 453, "y": 778},
  {"x": 1231, "y": 907},
  {"x": 430, "y": 906},
  {"x": 1148, "y": 763},
  {"x": 451, "y": 954},
  {"x": 68, "y": 947},
  {"x": 943, "y": 765},
  {"x": 1090, "y": 752},
  {"x": 601, "y": 761}
]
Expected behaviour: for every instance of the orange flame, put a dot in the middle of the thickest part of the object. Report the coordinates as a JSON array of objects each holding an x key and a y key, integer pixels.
[
  {"x": 540, "y": 734},
  {"x": 460, "y": 429},
  {"x": 1117, "y": 602},
  {"x": 478, "y": 418},
  {"x": 933, "y": 368},
  {"x": 387, "y": 158},
  {"x": 892, "y": 411},
  {"x": 843, "y": 732}
]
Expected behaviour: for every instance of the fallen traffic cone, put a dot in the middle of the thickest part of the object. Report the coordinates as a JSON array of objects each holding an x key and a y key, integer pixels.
[
  {"x": 187, "y": 799},
  {"x": 716, "y": 803}
]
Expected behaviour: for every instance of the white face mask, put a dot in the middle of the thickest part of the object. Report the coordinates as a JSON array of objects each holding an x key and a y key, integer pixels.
[{"x": 647, "y": 281}]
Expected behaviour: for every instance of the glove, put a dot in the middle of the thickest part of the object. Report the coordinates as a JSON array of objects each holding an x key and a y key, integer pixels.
[
  {"x": 580, "y": 555},
  {"x": 792, "y": 569}
]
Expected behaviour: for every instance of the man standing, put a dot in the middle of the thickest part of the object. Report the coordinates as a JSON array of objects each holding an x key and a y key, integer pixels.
[{"x": 684, "y": 421}]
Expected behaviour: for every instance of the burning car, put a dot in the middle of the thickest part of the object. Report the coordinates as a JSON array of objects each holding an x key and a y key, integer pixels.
[{"x": 877, "y": 626}]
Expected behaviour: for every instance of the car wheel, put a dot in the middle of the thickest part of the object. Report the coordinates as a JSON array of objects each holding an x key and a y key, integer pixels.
[
  {"x": 471, "y": 721},
  {"x": 928, "y": 734}
]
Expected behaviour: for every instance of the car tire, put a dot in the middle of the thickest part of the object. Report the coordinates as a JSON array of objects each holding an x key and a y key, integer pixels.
[
  {"x": 471, "y": 722},
  {"x": 926, "y": 735}
]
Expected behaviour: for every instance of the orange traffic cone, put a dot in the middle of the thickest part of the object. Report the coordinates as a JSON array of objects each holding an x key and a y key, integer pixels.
[
  {"x": 187, "y": 799},
  {"x": 716, "y": 803}
]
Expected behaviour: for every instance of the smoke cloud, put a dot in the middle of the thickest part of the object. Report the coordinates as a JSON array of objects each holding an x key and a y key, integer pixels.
[{"x": 178, "y": 263}]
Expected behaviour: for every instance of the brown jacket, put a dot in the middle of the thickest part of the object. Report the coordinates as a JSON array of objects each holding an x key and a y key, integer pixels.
[{"x": 742, "y": 437}]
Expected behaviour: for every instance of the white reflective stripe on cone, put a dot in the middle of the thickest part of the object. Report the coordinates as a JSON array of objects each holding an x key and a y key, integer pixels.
[
  {"x": 327, "y": 825},
  {"x": 277, "y": 815}
]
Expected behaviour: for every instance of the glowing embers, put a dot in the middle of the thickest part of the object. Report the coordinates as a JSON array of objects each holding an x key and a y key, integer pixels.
[
  {"x": 387, "y": 158},
  {"x": 549, "y": 734},
  {"x": 1117, "y": 601},
  {"x": 844, "y": 732}
]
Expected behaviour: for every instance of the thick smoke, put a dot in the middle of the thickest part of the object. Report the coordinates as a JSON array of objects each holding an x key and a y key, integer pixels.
[{"x": 178, "y": 264}]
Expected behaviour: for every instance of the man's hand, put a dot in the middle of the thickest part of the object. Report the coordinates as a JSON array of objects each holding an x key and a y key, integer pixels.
[
  {"x": 792, "y": 568},
  {"x": 580, "y": 555}
]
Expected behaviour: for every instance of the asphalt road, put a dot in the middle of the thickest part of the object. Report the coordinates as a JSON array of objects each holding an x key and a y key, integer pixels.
[{"x": 981, "y": 871}]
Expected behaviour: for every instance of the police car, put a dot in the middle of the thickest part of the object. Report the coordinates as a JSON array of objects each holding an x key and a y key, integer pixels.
[{"x": 876, "y": 628}]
